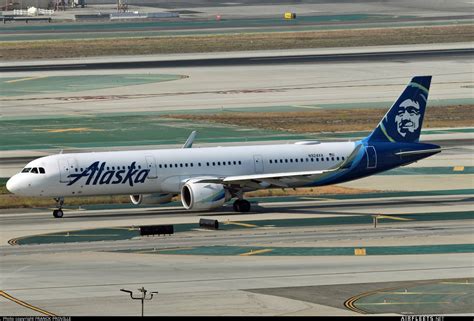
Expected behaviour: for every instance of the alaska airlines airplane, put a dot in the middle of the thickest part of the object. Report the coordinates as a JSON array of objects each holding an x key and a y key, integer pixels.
[{"x": 206, "y": 178}]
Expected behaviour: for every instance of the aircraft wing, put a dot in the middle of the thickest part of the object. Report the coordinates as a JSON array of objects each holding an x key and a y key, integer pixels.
[{"x": 279, "y": 179}]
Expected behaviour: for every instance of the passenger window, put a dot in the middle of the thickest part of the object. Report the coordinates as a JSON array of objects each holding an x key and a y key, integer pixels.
[
  {"x": 312, "y": 159},
  {"x": 191, "y": 164},
  {"x": 343, "y": 158},
  {"x": 159, "y": 166},
  {"x": 213, "y": 163},
  {"x": 34, "y": 170},
  {"x": 207, "y": 163},
  {"x": 286, "y": 160},
  {"x": 26, "y": 170},
  {"x": 337, "y": 158},
  {"x": 175, "y": 165},
  {"x": 317, "y": 159},
  {"x": 240, "y": 163},
  {"x": 199, "y": 164},
  {"x": 332, "y": 158},
  {"x": 327, "y": 159},
  {"x": 235, "y": 163},
  {"x": 270, "y": 161},
  {"x": 219, "y": 163}
]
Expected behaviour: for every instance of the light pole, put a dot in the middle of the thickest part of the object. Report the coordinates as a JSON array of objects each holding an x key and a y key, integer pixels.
[{"x": 143, "y": 296}]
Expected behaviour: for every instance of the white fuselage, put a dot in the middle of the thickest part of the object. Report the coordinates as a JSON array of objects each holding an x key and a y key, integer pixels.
[{"x": 166, "y": 170}]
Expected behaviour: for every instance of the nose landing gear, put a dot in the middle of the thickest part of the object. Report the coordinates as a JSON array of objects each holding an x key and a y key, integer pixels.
[{"x": 58, "y": 213}]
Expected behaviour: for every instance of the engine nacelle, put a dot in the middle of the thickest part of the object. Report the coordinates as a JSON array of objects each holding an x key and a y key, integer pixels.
[
  {"x": 203, "y": 196},
  {"x": 157, "y": 198}
]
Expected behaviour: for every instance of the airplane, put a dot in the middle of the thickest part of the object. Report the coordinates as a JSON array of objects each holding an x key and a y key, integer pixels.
[{"x": 206, "y": 178}]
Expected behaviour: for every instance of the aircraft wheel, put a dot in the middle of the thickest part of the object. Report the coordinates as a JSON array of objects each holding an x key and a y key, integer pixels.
[
  {"x": 244, "y": 206},
  {"x": 58, "y": 213},
  {"x": 241, "y": 206}
]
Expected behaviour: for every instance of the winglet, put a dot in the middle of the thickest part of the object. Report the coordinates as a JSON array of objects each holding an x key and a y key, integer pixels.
[{"x": 190, "y": 140}]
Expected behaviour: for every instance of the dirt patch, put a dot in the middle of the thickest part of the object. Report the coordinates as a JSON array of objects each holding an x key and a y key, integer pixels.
[
  {"x": 49, "y": 49},
  {"x": 325, "y": 120},
  {"x": 310, "y": 191}
]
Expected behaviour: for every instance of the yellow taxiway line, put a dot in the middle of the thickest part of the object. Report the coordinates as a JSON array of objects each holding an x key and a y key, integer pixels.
[
  {"x": 164, "y": 250},
  {"x": 458, "y": 283},
  {"x": 401, "y": 303},
  {"x": 26, "y": 305},
  {"x": 24, "y": 79},
  {"x": 256, "y": 252},
  {"x": 390, "y": 217},
  {"x": 240, "y": 224}
]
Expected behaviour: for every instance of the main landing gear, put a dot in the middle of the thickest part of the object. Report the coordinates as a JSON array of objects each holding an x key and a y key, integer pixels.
[
  {"x": 241, "y": 206},
  {"x": 58, "y": 213}
]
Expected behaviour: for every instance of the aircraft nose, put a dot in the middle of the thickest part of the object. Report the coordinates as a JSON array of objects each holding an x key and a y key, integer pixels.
[{"x": 12, "y": 184}]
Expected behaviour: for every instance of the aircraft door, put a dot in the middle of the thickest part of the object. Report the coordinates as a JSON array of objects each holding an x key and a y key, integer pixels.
[
  {"x": 371, "y": 157},
  {"x": 67, "y": 167},
  {"x": 151, "y": 165},
  {"x": 258, "y": 162}
]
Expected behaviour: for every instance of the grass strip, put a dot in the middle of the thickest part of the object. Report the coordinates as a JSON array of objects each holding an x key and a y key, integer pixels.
[{"x": 70, "y": 48}]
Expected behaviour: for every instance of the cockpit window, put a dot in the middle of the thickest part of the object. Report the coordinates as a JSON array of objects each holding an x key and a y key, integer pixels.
[
  {"x": 34, "y": 170},
  {"x": 41, "y": 170},
  {"x": 26, "y": 170}
]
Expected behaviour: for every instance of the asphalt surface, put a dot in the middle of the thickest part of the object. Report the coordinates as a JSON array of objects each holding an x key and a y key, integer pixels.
[
  {"x": 44, "y": 222},
  {"x": 254, "y": 61},
  {"x": 85, "y": 278}
]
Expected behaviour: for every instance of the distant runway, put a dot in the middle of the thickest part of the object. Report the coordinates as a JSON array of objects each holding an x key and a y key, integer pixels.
[{"x": 256, "y": 60}]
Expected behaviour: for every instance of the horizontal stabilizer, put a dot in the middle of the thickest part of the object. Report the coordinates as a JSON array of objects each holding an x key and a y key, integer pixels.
[{"x": 418, "y": 152}]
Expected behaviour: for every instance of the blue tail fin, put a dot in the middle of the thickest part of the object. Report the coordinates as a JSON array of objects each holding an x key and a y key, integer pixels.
[{"x": 404, "y": 120}]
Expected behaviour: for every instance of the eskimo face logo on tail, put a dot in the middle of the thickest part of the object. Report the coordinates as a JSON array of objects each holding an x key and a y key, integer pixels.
[
  {"x": 408, "y": 117},
  {"x": 95, "y": 174}
]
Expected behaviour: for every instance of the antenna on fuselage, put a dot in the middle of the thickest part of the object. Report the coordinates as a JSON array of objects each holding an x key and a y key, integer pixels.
[
  {"x": 190, "y": 140},
  {"x": 61, "y": 151}
]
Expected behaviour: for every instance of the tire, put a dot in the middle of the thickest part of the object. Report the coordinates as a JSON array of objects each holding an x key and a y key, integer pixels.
[
  {"x": 241, "y": 206},
  {"x": 236, "y": 206},
  {"x": 244, "y": 206},
  {"x": 58, "y": 213}
]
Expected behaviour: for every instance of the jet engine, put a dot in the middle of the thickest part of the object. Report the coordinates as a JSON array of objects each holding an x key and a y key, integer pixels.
[
  {"x": 203, "y": 196},
  {"x": 157, "y": 198}
]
